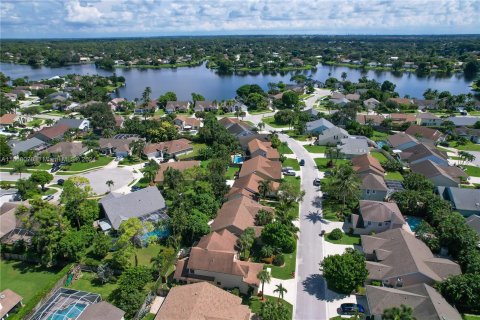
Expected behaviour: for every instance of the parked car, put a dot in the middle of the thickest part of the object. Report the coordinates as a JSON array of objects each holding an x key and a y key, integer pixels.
[
  {"x": 55, "y": 168},
  {"x": 286, "y": 169},
  {"x": 48, "y": 198},
  {"x": 289, "y": 173},
  {"x": 316, "y": 182},
  {"x": 351, "y": 308},
  {"x": 135, "y": 188},
  {"x": 324, "y": 195},
  {"x": 60, "y": 182},
  {"x": 301, "y": 162}
]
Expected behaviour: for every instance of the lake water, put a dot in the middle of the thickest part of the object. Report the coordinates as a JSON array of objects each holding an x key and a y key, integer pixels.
[{"x": 213, "y": 86}]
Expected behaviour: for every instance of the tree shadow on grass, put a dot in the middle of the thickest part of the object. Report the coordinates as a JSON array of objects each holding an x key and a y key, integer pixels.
[{"x": 25, "y": 267}]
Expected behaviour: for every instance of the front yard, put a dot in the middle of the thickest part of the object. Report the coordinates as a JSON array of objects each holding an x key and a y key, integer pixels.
[
  {"x": 469, "y": 146},
  {"x": 291, "y": 163},
  {"x": 472, "y": 171},
  {"x": 322, "y": 163},
  {"x": 255, "y": 304},
  {"x": 285, "y": 272},
  {"x": 82, "y": 166},
  {"x": 315, "y": 149},
  {"x": 271, "y": 122},
  {"x": 347, "y": 239},
  {"x": 284, "y": 149}
]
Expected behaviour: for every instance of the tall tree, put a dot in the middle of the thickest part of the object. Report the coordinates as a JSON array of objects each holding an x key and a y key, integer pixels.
[
  {"x": 281, "y": 290},
  {"x": 402, "y": 313},
  {"x": 264, "y": 276}
]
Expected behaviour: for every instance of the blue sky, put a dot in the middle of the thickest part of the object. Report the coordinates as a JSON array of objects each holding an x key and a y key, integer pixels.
[{"x": 123, "y": 18}]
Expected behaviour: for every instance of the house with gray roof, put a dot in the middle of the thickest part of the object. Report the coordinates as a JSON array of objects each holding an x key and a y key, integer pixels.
[
  {"x": 29, "y": 144},
  {"x": 425, "y": 301},
  {"x": 353, "y": 146},
  {"x": 468, "y": 133},
  {"x": 332, "y": 136},
  {"x": 373, "y": 187},
  {"x": 402, "y": 141},
  {"x": 446, "y": 176},
  {"x": 463, "y": 121},
  {"x": 318, "y": 126},
  {"x": 146, "y": 204},
  {"x": 422, "y": 152},
  {"x": 474, "y": 222},
  {"x": 371, "y": 103},
  {"x": 464, "y": 200},
  {"x": 376, "y": 216},
  {"x": 397, "y": 258},
  {"x": 78, "y": 124}
]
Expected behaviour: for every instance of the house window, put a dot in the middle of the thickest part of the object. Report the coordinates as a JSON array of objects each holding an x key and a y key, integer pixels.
[
  {"x": 373, "y": 191},
  {"x": 369, "y": 223},
  {"x": 379, "y": 224},
  {"x": 219, "y": 283},
  {"x": 368, "y": 191}
]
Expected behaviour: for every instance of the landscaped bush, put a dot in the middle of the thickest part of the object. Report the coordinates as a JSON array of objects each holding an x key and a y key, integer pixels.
[
  {"x": 236, "y": 292},
  {"x": 336, "y": 234},
  {"x": 279, "y": 260}
]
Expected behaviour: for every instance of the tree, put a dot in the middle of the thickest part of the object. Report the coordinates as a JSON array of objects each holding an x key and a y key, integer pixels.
[
  {"x": 78, "y": 208},
  {"x": 5, "y": 150},
  {"x": 129, "y": 230},
  {"x": 18, "y": 167},
  {"x": 146, "y": 96},
  {"x": 197, "y": 97},
  {"x": 344, "y": 185},
  {"x": 345, "y": 272},
  {"x": 168, "y": 96},
  {"x": 290, "y": 99},
  {"x": 417, "y": 182},
  {"x": 109, "y": 184},
  {"x": 388, "y": 86},
  {"x": 263, "y": 217},
  {"x": 256, "y": 101},
  {"x": 41, "y": 178},
  {"x": 245, "y": 242},
  {"x": 278, "y": 235},
  {"x": 281, "y": 290},
  {"x": 264, "y": 188},
  {"x": 402, "y": 313},
  {"x": 104, "y": 273},
  {"x": 463, "y": 291},
  {"x": 272, "y": 310},
  {"x": 264, "y": 276},
  {"x": 344, "y": 76},
  {"x": 466, "y": 156},
  {"x": 162, "y": 262},
  {"x": 101, "y": 245}
]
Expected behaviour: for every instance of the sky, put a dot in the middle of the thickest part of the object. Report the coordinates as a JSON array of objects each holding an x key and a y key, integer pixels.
[{"x": 132, "y": 18}]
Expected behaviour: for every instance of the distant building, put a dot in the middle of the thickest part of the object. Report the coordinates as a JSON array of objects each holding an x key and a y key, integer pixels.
[
  {"x": 78, "y": 124},
  {"x": 463, "y": 121},
  {"x": 353, "y": 146},
  {"x": 332, "y": 136},
  {"x": 371, "y": 103},
  {"x": 177, "y": 106},
  {"x": 264, "y": 149},
  {"x": 425, "y": 134},
  {"x": 9, "y": 302},
  {"x": 422, "y": 152},
  {"x": 402, "y": 141},
  {"x": 319, "y": 126},
  {"x": 168, "y": 149},
  {"x": 429, "y": 119}
]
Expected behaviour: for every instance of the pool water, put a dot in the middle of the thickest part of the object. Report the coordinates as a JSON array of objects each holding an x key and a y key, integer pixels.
[
  {"x": 158, "y": 233},
  {"x": 381, "y": 144},
  {"x": 413, "y": 222},
  {"x": 237, "y": 159},
  {"x": 70, "y": 312}
]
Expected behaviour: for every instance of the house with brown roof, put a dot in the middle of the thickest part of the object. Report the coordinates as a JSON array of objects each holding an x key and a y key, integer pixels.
[
  {"x": 9, "y": 302},
  {"x": 262, "y": 148},
  {"x": 371, "y": 103},
  {"x": 402, "y": 101},
  {"x": 370, "y": 119},
  {"x": 468, "y": 133},
  {"x": 206, "y": 106},
  {"x": 168, "y": 149},
  {"x": 101, "y": 311},
  {"x": 202, "y": 300},
  {"x": 426, "y": 104},
  {"x": 237, "y": 127},
  {"x": 151, "y": 107},
  {"x": 178, "y": 165},
  {"x": 48, "y": 134},
  {"x": 67, "y": 149},
  {"x": 376, "y": 216},
  {"x": 267, "y": 169},
  {"x": 215, "y": 259},
  {"x": 114, "y": 104},
  {"x": 373, "y": 187},
  {"x": 401, "y": 118},
  {"x": 237, "y": 214},
  {"x": 425, "y": 301},
  {"x": 7, "y": 120},
  {"x": 446, "y": 176},
  {"x": 118, "y": 147},
  {"x": 249, "y": 186},
  {"x": 422, "y": 152},
  {"x": 186, "y": 123},
  {"x": 118, "y": 121},
  {"x": 397, "y": 258},
  {"x": 366, "y": 163},
  {"x": 429, "y": 119},
  {"x": 425, "y": 134},
  {"x": 177, "y": 106}
]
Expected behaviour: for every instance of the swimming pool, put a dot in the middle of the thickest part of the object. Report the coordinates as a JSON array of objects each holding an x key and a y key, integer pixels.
[
  {"x": 413, "y": 222},
  {"x": 158, "y": 233},
  {"x": 70, "y": 312},
  {"x": 237, "y": 159},
  {"x": 381, "y": 144}
]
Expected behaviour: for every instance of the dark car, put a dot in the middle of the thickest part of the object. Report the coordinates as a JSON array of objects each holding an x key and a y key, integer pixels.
[
  {"x": 55, "y": 168},
  {"x": 301, "y": 162},
  {"x": 60, "y": 182},
  {"x": 289, "y": 173},
  {"x": 316, "y": 182},
  {"x": 135, "y": 188},
  {"x": 351, "y": 308}
]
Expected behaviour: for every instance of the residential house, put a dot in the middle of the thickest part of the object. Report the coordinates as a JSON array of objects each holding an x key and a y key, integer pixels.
[
  {"x": 118, "y": 121},
  {"x": 9, "y": 302},
  {"x": 264, "y": 149},
  {"x": 352, "y": 97},
  {"x": 332, "y": 136},
  {"x": 58, "y": 97},
  {"x": 206, "y": 106},
  {"x": 446, "y": 176},
  {"x": 26, "y": 145},
  {"x": 425, "y": 134},
  {"x": 168, "y": 149},
  {"x": 202, "y": 300},
  {"x": 312, "y": 113},
  {"x": 463, "y": 121},
  {"x": 151, "y": 107},
  {"x": 102, "y": 311},
  {"x": 237, "y": 127},
  {"x": 267, "y": 169},
  {"x": 425, "y": 301},
  {"x": 318, "y": 126},
  {"x": 76, "y": 124},
  {"x": 7, "y": 120},
  {"x": 426, "y": 104},
  {"x": 215, "y": 259},
  {"x": 371, "y": 103},
  {"x": 249, "y": 186},
  {"x": 465, "y": 201},
  {"x": 67, "y": 149},
  {"x": 238, "y": 214},
  {"x": 177, "y": 106},
  {"x": 187, "y": 124},
  {"x": 422, "y": 152},
  {"x": 366, "y": 163},
  {"x": 398, "y": 259},
  {"x": 402, "y": 141},
  {"x": 146, "y": 204},
  {"x": 353, "y": 146},
  {"x": 428, "y": 119},
  {"x": 370, "y": 119},
  {"x": 19, "y": 92},
  {"x": 373, "y": 187},
  {"x": 468, "y": 133},
  {"x": 8, "y": 219},
  {"x": 48, "y": 134},
  {"x": 376, "y": 217},
  {"x": 118, "y": 147},
  {"x": 474, "y": 222},
  {"x": 244, "y": 141},
  {"x": 116, "y": 103},
  {"x": 179, "y": 165},
  {"x": 401, "y": 118}
]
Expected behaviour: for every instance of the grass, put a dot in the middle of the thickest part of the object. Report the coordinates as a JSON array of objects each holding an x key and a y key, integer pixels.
[
  {"x": 81, "y": 166},
  {"x": 195, "y": 153},
  {"x": 291, "y": 163},
  {"x": 284, "y": 149},
  {"x": 330, "y": 210},
  {"x": 230, "y": 174},
  {"x": 471, "y": 317},
  {"x": 395, "y": 175},
  {"x": 379, "y": 156},
  {"x": 255, "y": 304},
  {"x": 293, "y": 180},
  {"x": 271, "y": 122},
  {"x": 130, "y": 161},
  {"x": 294, "y": 135},
  {"x": 455, "y": 158},
  {"x": 472, "y": 171},
  {"x": 285, "y": 272},
  {"x": 259, "y": 111},
  {"x": 144, "y": 255},
  {"x": 469, "y": 146},
  {"x": 378, "y": 136},
  {"x": 25, "y": 279},
  {"x": 315, "y": 149},
  {"x": 41, "y": 166},
  {"x": 322, "y": 163},
  {"x": 159, "y": 112},
  {"x": 87, "y": 282},
  {"x": 346, "y": 239},
  {"x": 49, "y": 191}
]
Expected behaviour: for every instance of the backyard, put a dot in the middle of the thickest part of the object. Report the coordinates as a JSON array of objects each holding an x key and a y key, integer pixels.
[
  {"x": 379, "y": 156},
  {"x": 195, "y": 153},
  {"x": 230, "y": 173},
  {"x": 285, "y": 272},
  {"x": 87, "y": 282},
  {"x": 472, "y": 171},
  {"x": 394, "y": 175}
]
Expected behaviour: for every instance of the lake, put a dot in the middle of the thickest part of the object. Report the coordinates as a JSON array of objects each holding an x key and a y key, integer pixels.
[{"x": 184, "y": 81}]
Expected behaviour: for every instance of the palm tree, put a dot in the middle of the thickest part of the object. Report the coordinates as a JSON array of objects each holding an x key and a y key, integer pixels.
[
  {"x": 344, "y": 76},
  {"x": 149, "y": 174},
  {"x": 402, "y": 313},
  {"x": 264, "y": 188},
  {"x": 49, "y": 122},
  {"x": 264, "y": 276},
  {"x": 110, "y": 183},
  {"x": 19, "y": 167},
  {"x": 261, "y": 125},
  {"x": 281, "y": 290},
  {"x": 345, "y": 184}
]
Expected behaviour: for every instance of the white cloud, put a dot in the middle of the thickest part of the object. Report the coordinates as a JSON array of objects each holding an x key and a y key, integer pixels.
[{"x": 81, "y": 14}]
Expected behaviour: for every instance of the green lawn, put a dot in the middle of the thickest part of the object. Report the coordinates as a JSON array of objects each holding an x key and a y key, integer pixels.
[
  {"x": 255, "y": 304},
  {"x": 471, "y": 317},
  {"x": 330, "y": 210},
  {"x": 144, "y": 255},
  {"x": 378, "y": 136},
  {"x": 159, "y": 112},
  {"x": 394, "y": 176},
  {"x": 41, "y": 166},
  {"x": 81, "y": 166},
  {"x": 346, "y": 239},
  {"x": 259, "y": 111},
  {"x": 88, "y": 283},
  {"x": 284, "y": 149},
  {"x": 271, "y": 122},
  {"x": 291, "y": 163},
  {"x": 25, "y": 279},
  {"x": 285, "y": 272},
  {"x": 455, "y": 158},
  {"x": 379, "y": 156},
  {"x": 470, "y": 146},
  {"x": 294, "y": 180},
  {"x": 130, "y": 161},
  {"x": 293, "y": 134},
  {"x": 322, "y": 163},
  {"x": 472, "y": 171},
  {"x": 230, "y": 174},
  {"x": 195, "y": 153},
  {"x": 316, "y": 149}
]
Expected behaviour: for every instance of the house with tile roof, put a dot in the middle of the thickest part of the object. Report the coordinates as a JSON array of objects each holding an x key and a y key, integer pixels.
[
  {"x": 118, "y": 147},
  {"x": 48, "y": 134},
  {"x": 202, "y": 300},
  {"x": 428, "y": 119},
  {"x": 366, "y": 163},
  {"x": 237, "y": 127},
  {"x": 373, "y": 187},
  {"x": 446, "y": 176},
  {"x": 248, "y": 186},
  {"x": 422, "y": 152},
  {"x": 168, "y": 149},
  {"x": 206, "y": 106},
  {"x": 177, "y": 106},
  {"x": 401, "y": 118},
  {"x": 9, "y": 302},
  {"x": 425, "y": 134},
  {"x": 101, "y": 311},
  {"x": 397, "y": 258},
  {"x": 264, "y": 149},
  {"x": 267, "y": 169},
  {"x": 177, "y": 165},
  {"x": 402, "y": 141},
  {"x": 371, "y": 103},
  {"x": 67, "y": 149},
  {"x": 376, "y": 216},
  {"x": 370, "y": 119},
  {"x": 465, "y": 201},
  {"x": 187, "y": 123}
]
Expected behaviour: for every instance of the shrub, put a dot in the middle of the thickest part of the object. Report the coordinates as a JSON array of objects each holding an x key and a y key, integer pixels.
[
  {"x": 279, "y": 260},
  {"x": 236, "y": 292},
  {"x": 336, "y": 234}
]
